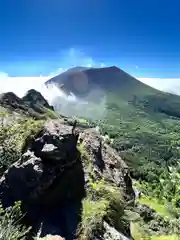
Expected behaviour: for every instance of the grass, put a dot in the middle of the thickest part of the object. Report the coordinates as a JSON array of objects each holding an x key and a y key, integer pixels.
[
  {"x": 104, "y": 202},
  {"x": 92, "y": 217},
  {"x": 165, "y": 237},
  {"x": 82, "y": 121},
  {"x": 12, "y": 138},
  {"x": 10, "y": 226},
  {"x": 50, "y": 113},
  {"x": 154, "y": 204},
  {"x": 138, "y": 233}
]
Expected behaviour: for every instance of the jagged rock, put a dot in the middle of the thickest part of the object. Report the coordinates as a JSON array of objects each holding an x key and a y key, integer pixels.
[
  {"x": 10, "y": 99},
  {"x": 32, "y": 104},
  {"x": 35, "y": 97},
  {"x": 112, "y": 234},
  {"x": 106, "y": 162},
  {"x": 50, "y": 178}
]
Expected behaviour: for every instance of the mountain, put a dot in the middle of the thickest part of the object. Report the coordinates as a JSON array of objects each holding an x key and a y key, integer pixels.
[
  {"x": 71, "y": 178},
  {"x": 143, "y": 122},
  {"x": 81, "y": 81}
]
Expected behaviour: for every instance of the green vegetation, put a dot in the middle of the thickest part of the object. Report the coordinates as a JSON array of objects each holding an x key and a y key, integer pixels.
[
  {"x": 50, "y": 113},
  {"x": 145, "y": 136},
  {"x": 143, "y": 125},
  {"x": 138, "y": 233},
  {"x": 104, "y": 202},
  {"x": 154, "y": 204},
  {"x": 10, "y": 226},
  {"x": 92, "y": 218},
  {"x": 12, "y": 137}
]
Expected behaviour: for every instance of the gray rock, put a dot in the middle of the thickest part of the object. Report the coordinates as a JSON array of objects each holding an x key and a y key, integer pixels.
[
  {"x": 106, "y": 162},
  {"x": 50, "y": 178},
  {"x": 112, "y": 234}
]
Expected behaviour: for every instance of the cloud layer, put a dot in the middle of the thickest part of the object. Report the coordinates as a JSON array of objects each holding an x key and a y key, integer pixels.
[
  {"x": 71, "y": 58},
  {"x": 171, "y": 85}
]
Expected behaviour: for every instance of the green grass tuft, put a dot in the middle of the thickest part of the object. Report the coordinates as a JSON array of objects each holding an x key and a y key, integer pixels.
[
  {"x": 154, "y": 204},
  {"x": 92, "y": 217}
]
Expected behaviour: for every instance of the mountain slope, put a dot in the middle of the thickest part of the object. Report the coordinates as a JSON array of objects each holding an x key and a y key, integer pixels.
[
  {"x": 143, "y": 121},
  {"x": 65, "y": 181},
  {"x": 41, "y": 158},
  {"x": 80, "y": 81}
]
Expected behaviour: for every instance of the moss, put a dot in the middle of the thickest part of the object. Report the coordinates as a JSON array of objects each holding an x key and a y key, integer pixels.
[
  {"x": 104, "y": 202},
  {"x": 3, "y": 112},
  {"x": 92, "y": 217},
  {"x": 50, "y": 113},
  {"x": 165, "y": 237},
  {"x": 139, "y": 233},
  {"x": 12, "y": 137}
]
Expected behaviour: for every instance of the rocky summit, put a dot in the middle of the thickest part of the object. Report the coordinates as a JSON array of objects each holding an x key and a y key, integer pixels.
[
  {"x": 33, "y": 104},
  {"x": 59, "y": 180}
]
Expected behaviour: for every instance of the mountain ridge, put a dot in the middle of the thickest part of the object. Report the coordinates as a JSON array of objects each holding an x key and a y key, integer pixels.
[
  {"x": 108, "y": 77},
  {"x": 139, "y": 138}
]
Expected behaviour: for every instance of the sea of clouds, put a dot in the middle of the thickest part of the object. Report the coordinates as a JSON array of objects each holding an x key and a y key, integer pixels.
[{"x": 70, "y": 105}]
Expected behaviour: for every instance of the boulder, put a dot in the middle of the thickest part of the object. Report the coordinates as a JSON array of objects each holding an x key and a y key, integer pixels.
[
  {"x": 49, "y": 181},
  {"x": 51, "y": 178}
]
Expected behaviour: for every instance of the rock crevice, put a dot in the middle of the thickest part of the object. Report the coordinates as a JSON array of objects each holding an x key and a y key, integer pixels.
[{"x": 50, "y": 179}]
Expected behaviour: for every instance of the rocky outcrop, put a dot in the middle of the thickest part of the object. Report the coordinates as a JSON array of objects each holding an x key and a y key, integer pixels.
[
  {"x": 35, "y": 97},
  {"x": 106, "y": 162},
  {"x": 10, "y": 100},
  {"x": 51, "y": 178},
  {"x": 32, "y": 104}
]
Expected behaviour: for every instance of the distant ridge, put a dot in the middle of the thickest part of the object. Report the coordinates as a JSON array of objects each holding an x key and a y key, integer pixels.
[{"x": 80, "y": 81}]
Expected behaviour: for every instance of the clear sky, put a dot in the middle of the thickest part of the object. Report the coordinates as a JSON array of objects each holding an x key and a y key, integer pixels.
[{"x": 41, "y": 36}]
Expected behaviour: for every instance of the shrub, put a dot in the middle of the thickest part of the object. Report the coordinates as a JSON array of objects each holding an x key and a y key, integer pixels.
[
  {"x": 93, "y": 214},
  {"x": 10, "y": 227},
  {"x": 12, "y": 137}
]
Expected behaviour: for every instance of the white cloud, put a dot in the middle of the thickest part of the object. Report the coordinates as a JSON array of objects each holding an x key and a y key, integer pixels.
[
  {"x": 164, "y": 84},
  {"x": 20, "y": 85},
  {"x": 74, "y": 57},
  {"x": 102, "y": 65},
  {"x": 70, "y": 58}
]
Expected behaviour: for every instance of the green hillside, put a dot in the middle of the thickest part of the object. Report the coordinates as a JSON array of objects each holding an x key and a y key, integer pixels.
[
  {"x": 143, "y": 121},
  {"x": 145, "y": 128}
]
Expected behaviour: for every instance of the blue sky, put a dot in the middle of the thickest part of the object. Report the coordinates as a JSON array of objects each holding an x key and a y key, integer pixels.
[{"x": 39, "y": 37}]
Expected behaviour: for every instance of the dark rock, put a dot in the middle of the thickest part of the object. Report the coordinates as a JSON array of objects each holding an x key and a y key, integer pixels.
[
  {"x": 146, "y": 212},
  {"x": 82, "y": 81},
  {"x": 10, "y": 100},
  {"x": 49, "y": 180},
  {"x": 35, "y": 97},
  {"x": 32, "y": 104},
  {"x": 51, "y": 177}
]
